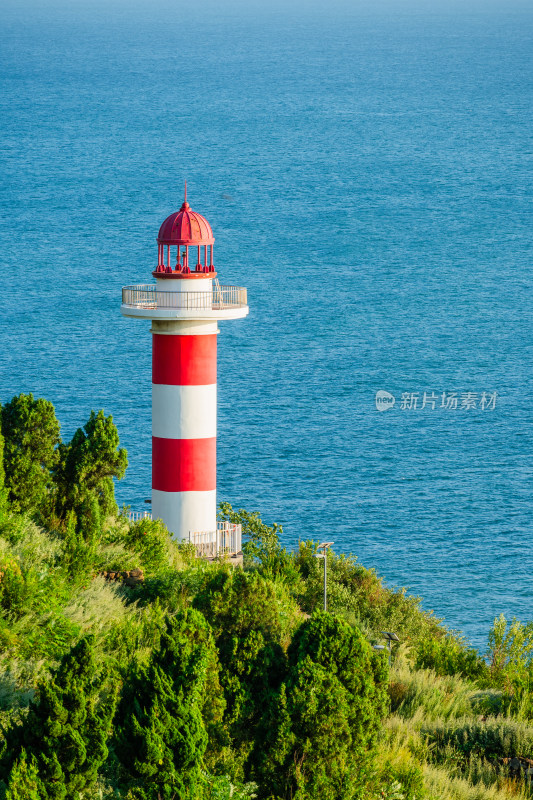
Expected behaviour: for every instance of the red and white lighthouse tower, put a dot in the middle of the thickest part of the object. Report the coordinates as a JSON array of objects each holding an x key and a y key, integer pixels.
[{"x": 184, "y": 304}]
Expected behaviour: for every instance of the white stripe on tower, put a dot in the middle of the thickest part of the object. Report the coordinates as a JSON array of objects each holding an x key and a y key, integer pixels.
[
  {"x": 184, "y": 429},
  {"x": 184, "y": 412}
]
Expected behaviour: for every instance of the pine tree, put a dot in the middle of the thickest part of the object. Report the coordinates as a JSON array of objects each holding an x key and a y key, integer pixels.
[
  {"x": 3, "y": 489},
  {"x": 66, "y": 729},
  {"x": 31, "y": 433},
  {"x": 160, "y": 734},
  {"x": 86, "y": 468},
  {"x": 318, "y": 734},
  {"x": 23, "y": 782}
]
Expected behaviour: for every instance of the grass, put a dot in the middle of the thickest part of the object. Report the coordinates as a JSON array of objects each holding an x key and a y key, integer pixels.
[
  {"x": 455, "y": 733},
  {"x": 440, "y": 785},
  {"x": 446, "y": 735}
]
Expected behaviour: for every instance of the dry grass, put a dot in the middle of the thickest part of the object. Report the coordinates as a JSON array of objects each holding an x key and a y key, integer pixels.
[
  {"x": 97, "y": 606},
  {"x": 441, "y": 786}
]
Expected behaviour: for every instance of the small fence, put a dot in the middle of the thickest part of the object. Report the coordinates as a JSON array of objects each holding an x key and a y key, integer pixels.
[
  {"x": 149, "y": 296},
  {"x": 226, "y": 540},
  {"x": 135, "y": 516}
]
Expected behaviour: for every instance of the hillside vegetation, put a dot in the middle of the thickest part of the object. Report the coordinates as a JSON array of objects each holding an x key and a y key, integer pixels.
[{"x": 197, "y": 680}]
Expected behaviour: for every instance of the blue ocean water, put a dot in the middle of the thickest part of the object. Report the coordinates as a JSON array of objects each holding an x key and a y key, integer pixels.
[{"x": 367, "y": 173}]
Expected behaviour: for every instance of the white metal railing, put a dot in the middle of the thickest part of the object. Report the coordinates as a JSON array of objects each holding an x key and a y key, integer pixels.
[
  {"x": 226, "y": 540},
  {"x": 149, "y": 296},
  {"x": 135, "y": 516}
]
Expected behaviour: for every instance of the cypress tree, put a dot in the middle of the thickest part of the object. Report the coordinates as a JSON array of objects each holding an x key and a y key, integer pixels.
[
  {"x": 243, "y": 610},
  {"x": 86, "y": 468},
  {"x": 24, "y": 782},
  {"x": 31, "y": 433},
  {"x": 3, "y": 490},
  {"x": 319, "y": 732},
  {"x": 66, "y": 729},
  {"x": 160, "y": 736}
]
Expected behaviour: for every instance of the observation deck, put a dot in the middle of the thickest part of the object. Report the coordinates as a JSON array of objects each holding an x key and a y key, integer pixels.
[{"x": 147, "y": 301}]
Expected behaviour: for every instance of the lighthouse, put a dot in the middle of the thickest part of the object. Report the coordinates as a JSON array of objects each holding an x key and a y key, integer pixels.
[{"x": 185, "y": 304}]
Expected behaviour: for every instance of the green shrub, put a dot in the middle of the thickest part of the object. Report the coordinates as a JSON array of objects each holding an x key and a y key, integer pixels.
[
  {"x": 440, "y": 785},
  {"x": 220, "y": 787},
  {"x": 449, "y": 656},
  {"x": 149, "y": 539},
  {"x": 488, "y": 702},
  {"x": 492, "y": 738},
  {"x": 23, "y": 782},
  {"x": 400, "y": 755},
  {"x": 95, "y": 606},
  {"x": 511, "y": 664},
  {"x": 33, "y": 546},
  {"x": 398, "y": 692},
  {"x": 430, "y": 695},
  {"x": 262, "y": 547},
  {"x": 48, "y": 635},
  {"x": 510, "y": 650},
  {"x": 130, "y": 639},
  {"x": 114, "y": 557},
  {"x": 18, "y": 679},
  {"x": 16, "y": 588},
  {"x": 406, "y": 780},
  {"x": 175, "y": 589}
]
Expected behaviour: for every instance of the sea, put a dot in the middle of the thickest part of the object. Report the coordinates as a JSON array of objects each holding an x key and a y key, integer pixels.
[{"x": 367, "y": 172}]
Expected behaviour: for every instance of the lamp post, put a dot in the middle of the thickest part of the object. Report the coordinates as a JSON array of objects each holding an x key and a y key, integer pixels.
[
  {"x": 390, "y": 638},
  {"x": 324, "y": 547}
]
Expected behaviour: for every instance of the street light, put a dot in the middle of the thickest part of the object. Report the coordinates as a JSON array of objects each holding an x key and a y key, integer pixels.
[
  {"x": 390, "y": 638},
  {"x": 324, "y": 547}
]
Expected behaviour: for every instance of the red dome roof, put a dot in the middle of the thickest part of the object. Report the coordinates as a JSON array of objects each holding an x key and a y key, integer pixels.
[{"x": 185, "y": 227}]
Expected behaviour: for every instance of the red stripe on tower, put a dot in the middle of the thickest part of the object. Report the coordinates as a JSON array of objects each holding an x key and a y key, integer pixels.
[
  {"x": 182, "y": 360},
  {"x": 184, "y": 465}
]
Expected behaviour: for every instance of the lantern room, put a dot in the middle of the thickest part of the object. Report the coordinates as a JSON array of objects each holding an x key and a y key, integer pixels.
[{"x": 185, "y": 245}]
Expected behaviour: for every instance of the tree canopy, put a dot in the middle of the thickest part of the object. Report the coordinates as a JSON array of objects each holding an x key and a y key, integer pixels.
[
  {"x": 31, "y": 435},
  {"x": 322, "y": 726},
  {"x": 161, "y": 737},
  {"x": 86, "y": 467},
  {"x": 52, "y": 480},
  {"x": 66, "y": 730}
]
